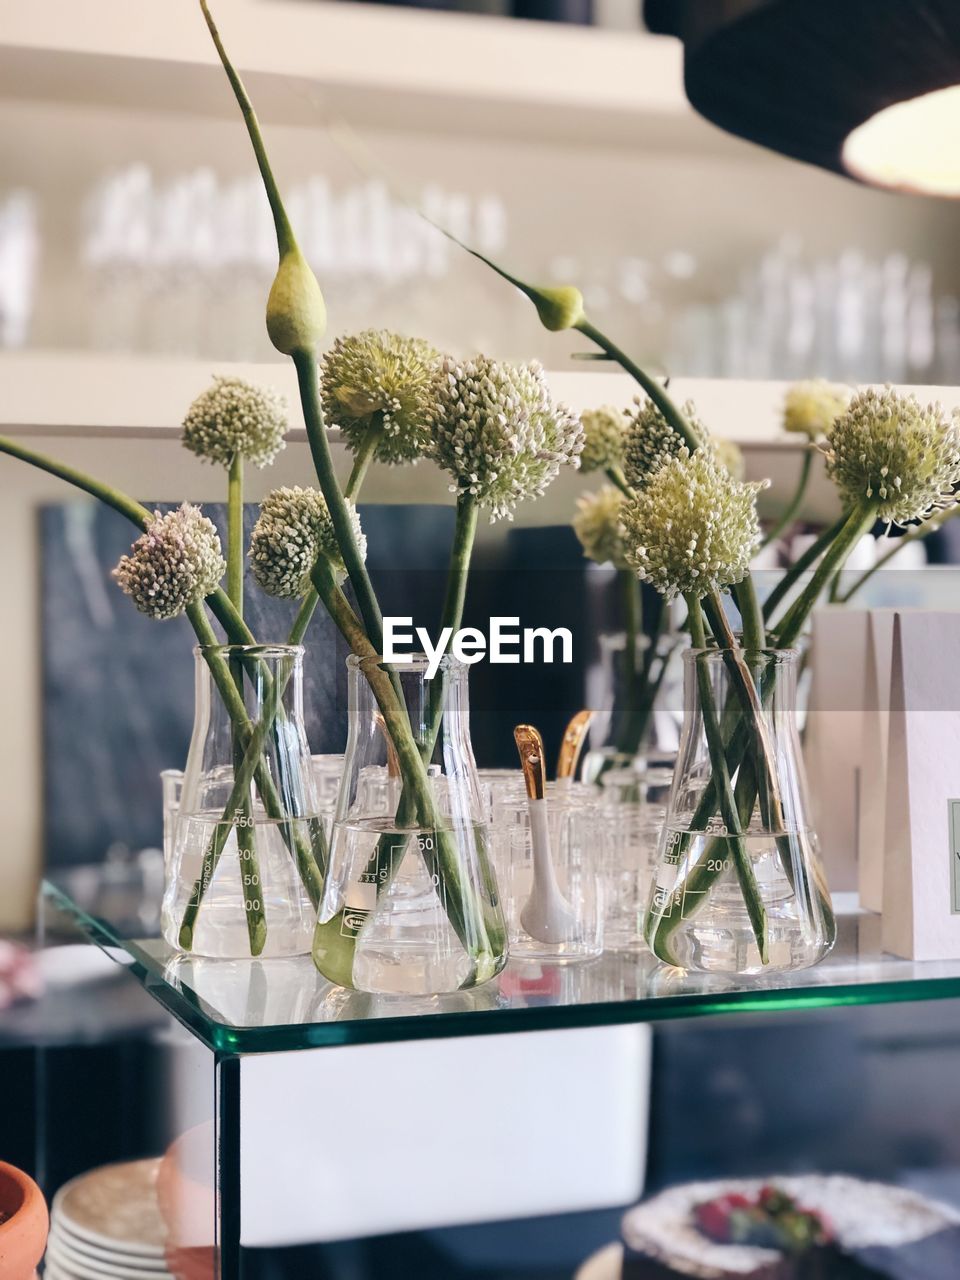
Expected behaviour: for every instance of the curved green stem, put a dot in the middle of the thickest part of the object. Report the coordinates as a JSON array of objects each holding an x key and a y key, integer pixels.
[
  {"x": 235, "y": 533},
  {"x": 913, "y": 535},
  {"x": 353, "y": 485},
  {"x": 858, "y": 522},
  {"x": 792, "y": 508},
  {"x": 285, "y": 237},
  {"x": 616, "y": 477},
  {"x": 363, "y": 457},
  {"x": 729, "y": 810},
  {"x": 306, "y": 367},
  {"x": 650, "y": 385},
  {"x": 797, "y": 570}
]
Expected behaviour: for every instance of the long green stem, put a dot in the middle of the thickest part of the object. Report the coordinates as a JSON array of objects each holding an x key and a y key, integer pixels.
[
  {"x": 237, "y": 633},
  {"x": 913, "y": 535},
  {"x": 363, "y": 457},
  {"x": 306, "y": 367},
  {"x": 235, "y": 533},
  {"x": 467, "y": 916},
  {"x": 649, "y": 384},
  {"x": 734, "y": 737},
  {"x": 616, "y": 477},
  {"x": 251, "y": 883},
  {"x": 797, "y": 570},
  {"x": 858, "y": 522},
  {"x": 792, "y": 508},
  {"x": 253, "y": 766},
  {"x": 721, "y": 774},
  {"x": 310, "y": 601},
  {"x": 285, "y": 237}
]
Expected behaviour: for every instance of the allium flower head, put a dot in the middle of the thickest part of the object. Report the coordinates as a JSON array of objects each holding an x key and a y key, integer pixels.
[
  {"x": 294, "y": 528},
  {"x": 378, "y": 378},
  {"x": 234, "y": 416},
  {"x": 498, "y": 432},
  {"x": 693, "y": 528},
  {"x": 891, "y": 450},
  {"x": 811, "y": 408},
  {"x": 651, "y": 441},
  {"x": 176, "y": 562},
  {"x": 603, "y": 436},
  {"x": 597, "y": 525},
  {"x": 730, "y": 456}
]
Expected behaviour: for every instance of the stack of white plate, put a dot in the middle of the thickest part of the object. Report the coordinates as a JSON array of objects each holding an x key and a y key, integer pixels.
[{"x": 106, "y": 1225}]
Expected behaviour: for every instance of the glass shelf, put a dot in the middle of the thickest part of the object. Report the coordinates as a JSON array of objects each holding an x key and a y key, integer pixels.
[{"x": 262, "y": 1006}]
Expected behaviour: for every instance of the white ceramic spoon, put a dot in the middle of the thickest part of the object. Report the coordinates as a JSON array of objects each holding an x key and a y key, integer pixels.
[{"x": 546, "y": 915}]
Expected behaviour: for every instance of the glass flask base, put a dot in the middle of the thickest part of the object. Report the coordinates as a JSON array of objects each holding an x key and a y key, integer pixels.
[
  {"x": 259, "y": 883},
  {"x": 705, "y": 926},
  {"x": 394, "y": 928}
]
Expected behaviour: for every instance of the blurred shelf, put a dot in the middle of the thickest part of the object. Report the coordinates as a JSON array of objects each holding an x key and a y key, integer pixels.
[
  {"x": 91, "y": 395},
  {"x": 268, "y": 1006},
  {"x": 307, "y": 64}
]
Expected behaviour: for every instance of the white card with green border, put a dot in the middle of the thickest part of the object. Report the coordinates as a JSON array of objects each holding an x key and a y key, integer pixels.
[
  {"x": 921, "y": 872},
  {"x": 834, "y": 736}
]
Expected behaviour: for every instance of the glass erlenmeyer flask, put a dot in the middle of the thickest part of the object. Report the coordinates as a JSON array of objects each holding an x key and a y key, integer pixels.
[
  {"x": 410, "y": 902},
  {"x": 244, "y": 842},
  {"x": 752, "y": 900}
]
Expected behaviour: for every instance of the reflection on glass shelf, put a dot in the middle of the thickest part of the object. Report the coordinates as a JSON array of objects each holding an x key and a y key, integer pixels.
[{"x": 274, "y": 1005}]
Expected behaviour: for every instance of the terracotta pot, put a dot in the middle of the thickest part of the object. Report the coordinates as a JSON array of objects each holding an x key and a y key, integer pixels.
[{"x": 23, "y": 1236}]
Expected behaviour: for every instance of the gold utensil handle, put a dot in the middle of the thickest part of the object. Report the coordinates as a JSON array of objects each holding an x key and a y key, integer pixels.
[
  {"x": 530, "y": 746},
  {"x": 572, "y": 743}
]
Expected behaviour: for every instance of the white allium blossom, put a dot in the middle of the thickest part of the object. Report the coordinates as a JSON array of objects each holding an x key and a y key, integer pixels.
[
  {"x": 729, "y": 454},
  {"x": 236, "y": 417},
  {"x": 597, "y": 525},
  {"x": 603, "y": 438},
  {"x": 811, "y": 408},
  {"x": 498, "y": 432},
  {"x": 380, "y": 379},
  {"x": 294, "y": 528},
  {"x": 177, "y": 561},
  {"x": 890, "y": 450},
  {"x": 651, "y": 441},
  {"x": 693, "y": 528}
]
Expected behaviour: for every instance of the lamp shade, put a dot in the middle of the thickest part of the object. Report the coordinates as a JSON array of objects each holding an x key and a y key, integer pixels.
[{"x": 805, "y": 76}]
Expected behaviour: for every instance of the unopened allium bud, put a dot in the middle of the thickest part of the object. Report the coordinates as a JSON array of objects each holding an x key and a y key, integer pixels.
[
  {"x": 811, "y": 408},
  {"x": 498, "y": 432},
  {"x": 603, "y": 439},
  {"x": 296, "y": 311},
  {"x": 559, "y": 307},
  {"x": 236, "y": 417},
  {"x": 176, "y": 562},
  {"x": 890, "y": 451},
  {"x": 693, "y": 528},
  {"x": 651, "y": 441},
  {"x": 380, "y": 379},
  {"x": 597, "y": 525},
  {"x": 293, "y": 529}
]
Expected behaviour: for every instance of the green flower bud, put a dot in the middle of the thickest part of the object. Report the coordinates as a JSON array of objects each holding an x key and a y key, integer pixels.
[
  {"x": 296, "y": 311},
  {"x": 558, "y": 308}
]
